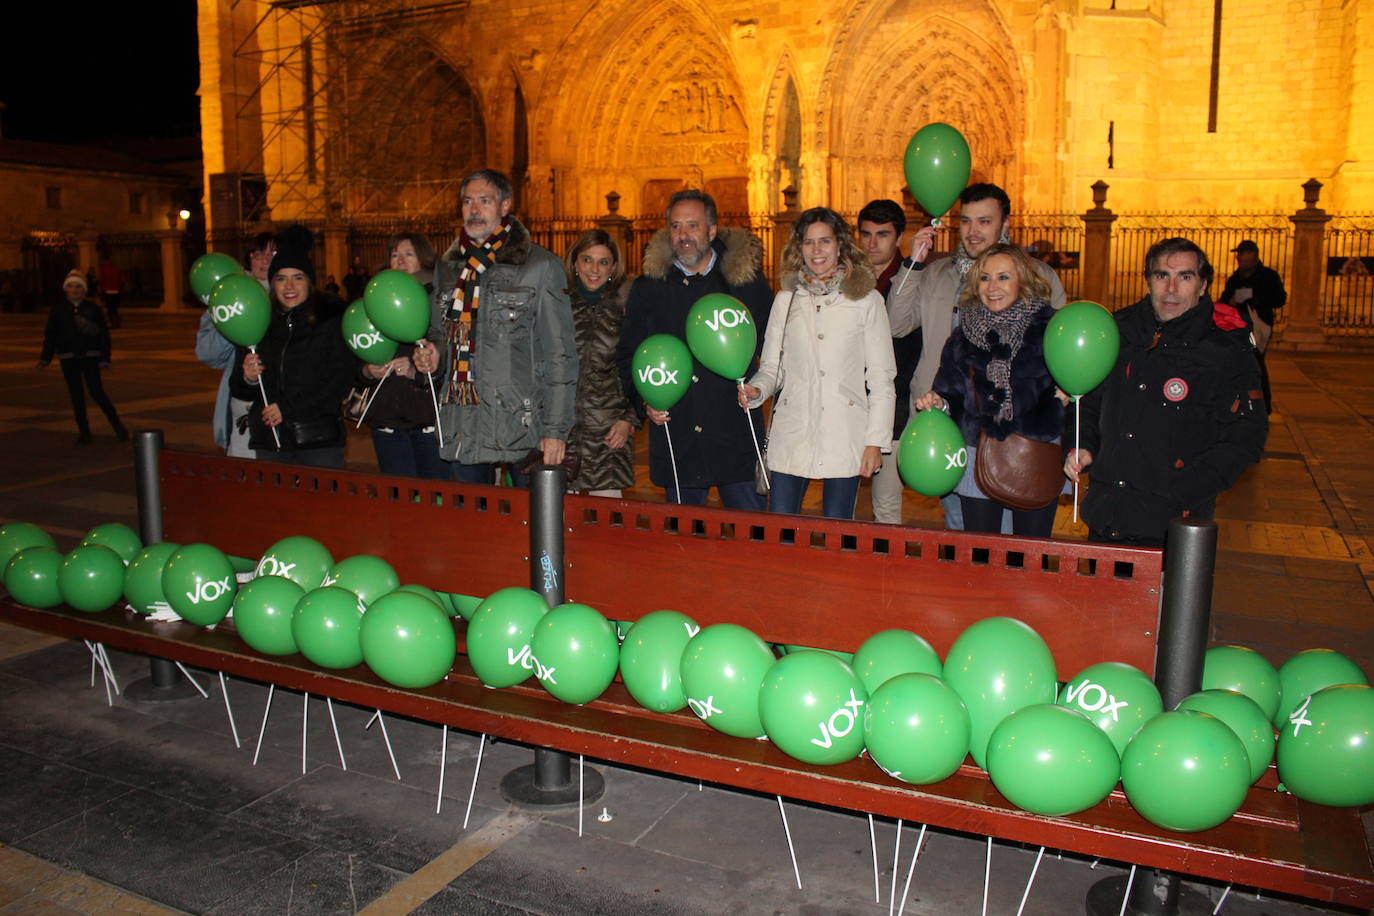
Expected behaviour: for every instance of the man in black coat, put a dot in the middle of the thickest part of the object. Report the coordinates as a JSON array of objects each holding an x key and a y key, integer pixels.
[
  {"x": 711, "y": 440},
  {"x": 1258, "y": 289},
  {"x": 1180, "y": 416}
]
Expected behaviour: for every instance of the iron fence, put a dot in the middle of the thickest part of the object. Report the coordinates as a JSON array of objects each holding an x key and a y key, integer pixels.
[
  {"x": 1348, "y": 275},
  {"x": 139, "y": 257}
]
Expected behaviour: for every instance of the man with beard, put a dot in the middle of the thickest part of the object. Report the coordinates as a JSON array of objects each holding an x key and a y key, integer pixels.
[
  {"x": 1181, "y": 414},
  {"x": 1259, "y": 289},
  {"x": 711, "y": 441},
  {"x": 925, "y": 297},
  {"x": 506, "y": 359}
]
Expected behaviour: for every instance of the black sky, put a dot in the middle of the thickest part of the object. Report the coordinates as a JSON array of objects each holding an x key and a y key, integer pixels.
[{"x": 78, "y": 72}]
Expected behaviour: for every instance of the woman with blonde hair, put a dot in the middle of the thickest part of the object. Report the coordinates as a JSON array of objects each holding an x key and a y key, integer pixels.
[
  {"x": 993, "y": 378},
  {"x": 827, "y": 355},
  {"x": 602, "y": 436}
]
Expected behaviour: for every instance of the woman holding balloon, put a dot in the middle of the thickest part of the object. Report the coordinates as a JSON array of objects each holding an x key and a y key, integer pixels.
[
  {"x": 993, "y": 379},
  {"x": 827, "y": 354},
  {"x": 400, "y": 410},
  {"x": 603, "y": 434},
  {"x": 303, "y": 364}
]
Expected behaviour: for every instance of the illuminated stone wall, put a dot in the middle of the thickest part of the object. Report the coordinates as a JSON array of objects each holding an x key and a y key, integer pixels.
[{"x": 746, "y": 98}]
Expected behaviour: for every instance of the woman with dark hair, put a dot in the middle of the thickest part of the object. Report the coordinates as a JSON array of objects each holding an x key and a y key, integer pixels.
[
  {"x": 993, "y": 377},
  {"x": 401, "y": 413},
  {"x": 303, "y": 363},
  {"x": 602, "y": 436},
  {"x": 827, "y": 355}
]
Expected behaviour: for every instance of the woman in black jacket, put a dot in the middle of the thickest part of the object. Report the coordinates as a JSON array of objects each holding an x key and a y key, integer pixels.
[
  {"x": 304, "y": 364},
  {"x": 401, "y": 412},
  {"x": 78, "y": 336},
  {"x": 993, "y": 377}
]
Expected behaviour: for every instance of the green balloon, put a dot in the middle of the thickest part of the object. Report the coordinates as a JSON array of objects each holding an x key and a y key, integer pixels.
[
  {"x": 305, "y": 561},
  {"x": 91, "y": 578},
  {"x": 846, "y": 657},
  {"x": 888, "y": 653},
  {"x": 1326, "y": 749},
  {"x": 118, "y": 537},
  {"x": 143, "y": 578},
  {"x": 1052, "y": 760},
  {"x": 429, "y": 594},
  {"x": 366, "y": 576},
  {"x": 1244, "y": 671},
  {"x": 15, "y": 536},
  {"x": 1185, "y": 771},
  {"x": 722, "y": 335},
  {"x": 325, "y": 626},
  {"x": 499, "y": 634},
  {"x": 208, "y": 269},
  {"x": 367, "y": 343},
  {"x": 937, "y": 164},
  {"x": 242, "y": 564},
  {"x": 1117, "y": 697},
  {"x": 407, "y": 640},
  {"x": 240, "y": 310},
  {"x": 1309, "y": 671},
  {"x": 662, "y": 370},
  {"x": 1244, "y": 717},
  {"x": 812, "y": 707},
  {"x": 575, "y": 653},
  {"x": 31, "y": 577},
  {"x": 199, "y": 583},
  {"x": 464, "y": 606},
  {"x": 916, "y": 728},
  {"x": 397, "y": 305},
  {"x": 1081, "y": 344},
  {"x": 931, "y": 454},
  {"x": 651, "y": 659},
  {"x": 263, "y": 609},
  {"x": 997, "y": 666},
  {"x": 722, "y": 670}
]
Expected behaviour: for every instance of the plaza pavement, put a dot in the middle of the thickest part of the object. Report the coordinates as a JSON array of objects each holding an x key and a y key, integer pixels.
[{"x": 149, "y": 808}]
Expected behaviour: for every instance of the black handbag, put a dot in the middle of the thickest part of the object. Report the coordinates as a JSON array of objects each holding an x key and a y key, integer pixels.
[{"x": 320, "y": 432}]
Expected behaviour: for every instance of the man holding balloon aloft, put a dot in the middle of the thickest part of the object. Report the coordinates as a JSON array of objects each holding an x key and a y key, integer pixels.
[{"x": 1180, "y": 414}]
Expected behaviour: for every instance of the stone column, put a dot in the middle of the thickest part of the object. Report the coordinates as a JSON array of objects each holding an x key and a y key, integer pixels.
[
  {"x": 1096, "y": 270},
  {"x": 336, "y": 257},
  {"x": 173, "y": 268},
  {"x": 616, "y": 225},
  {"x": 11, "y": 252},
  {"x": 1304, "y": 329},
  {"x": 783, "y": 221},
  {"x": 86, "y": 247}
]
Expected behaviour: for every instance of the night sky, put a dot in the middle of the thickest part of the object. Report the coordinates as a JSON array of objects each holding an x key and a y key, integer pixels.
[{"x": 75, "y": 73}]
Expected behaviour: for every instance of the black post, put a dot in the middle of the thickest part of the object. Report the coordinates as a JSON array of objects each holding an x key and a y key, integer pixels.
[
  {"x": 164, "y": 681},
  {"x": 548, "y": 781},
  {"x": 1184, "y": 621}
]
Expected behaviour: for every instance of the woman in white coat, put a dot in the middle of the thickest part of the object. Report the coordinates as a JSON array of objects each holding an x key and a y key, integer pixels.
[{"x": 827, "y": 355}]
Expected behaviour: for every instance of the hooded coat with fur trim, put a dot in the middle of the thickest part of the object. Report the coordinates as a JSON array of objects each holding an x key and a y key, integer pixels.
[
  {"x": 710, "y": 439},
  {"x": 524, "y": 363},
  {"x": 829, "y": 359}
]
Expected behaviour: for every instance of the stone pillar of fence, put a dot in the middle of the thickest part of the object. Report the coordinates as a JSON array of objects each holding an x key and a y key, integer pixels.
[
  {"x": 11, "y": 252},
  {"x": 173, "y": 269},
  {"x": 336, "y": 246},
  {"x": 1304, "y": 327},
  {"x": 86, "y": 241},
  {"x": 782, "y": 224},
  {"x": 1096, "y": 270},
  {"x": 616, "y": 225}
]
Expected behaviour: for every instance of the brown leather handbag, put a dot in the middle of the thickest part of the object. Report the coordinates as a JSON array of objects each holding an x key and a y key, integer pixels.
[{"x": 1017, "y": 472}]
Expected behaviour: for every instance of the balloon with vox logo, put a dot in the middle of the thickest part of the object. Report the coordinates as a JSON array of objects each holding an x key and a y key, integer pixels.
[
  {"x": 722, "y": 335},
  {"x": 931, "y": 454},
  {"x": 662, "y": 373},
  {"x": 937, "y": 165},
  {"x": 207, "y": 270},
  {"x": 241, "y": 311},
  {"x": 396, "y": 303},
  {"x": 812, "y": 707},
  {"x": 369, "y": 345},
  {"x": 200, "y": 584}
]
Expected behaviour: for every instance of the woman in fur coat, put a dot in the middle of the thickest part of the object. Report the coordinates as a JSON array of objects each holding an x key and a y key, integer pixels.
[
  {"x": 827, "y": 355},
  {"x": 993, "y": 377}
]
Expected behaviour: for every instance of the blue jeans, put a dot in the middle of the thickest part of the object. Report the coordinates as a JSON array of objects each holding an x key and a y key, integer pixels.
[
  {"x": 409, "y": 453},
  {"x": 471, "y": 473},
  {"x": 733, "y": 495},
  {"x": 837, "y": 495}
]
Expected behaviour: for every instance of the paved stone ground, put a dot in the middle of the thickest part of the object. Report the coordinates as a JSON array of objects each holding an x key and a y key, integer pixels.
[{"x": 133, "y": 807}]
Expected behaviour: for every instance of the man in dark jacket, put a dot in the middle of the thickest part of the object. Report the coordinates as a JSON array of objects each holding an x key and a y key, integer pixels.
[
  {"x": 1180, "y": 416},
  {"x": 1259, "y": 290},
  {"x": 78, "y": 336},
  {"x": 711, "y": 440}
]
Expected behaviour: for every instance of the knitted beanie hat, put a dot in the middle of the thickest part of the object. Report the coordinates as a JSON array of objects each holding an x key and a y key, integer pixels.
[
  {"x": 74, "y": 276},
  {"x": 293, "y": 252}
]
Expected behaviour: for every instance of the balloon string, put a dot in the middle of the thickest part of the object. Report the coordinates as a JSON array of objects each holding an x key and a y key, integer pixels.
[
  {"x": 372, "y": 397},
  {"x": 749, "y": 418},
  {"x": 434, "y": 399},
  {"x": 1077, "y": 431},
  {"x": 275, "y": 437},
  {"x": 672, "y": 460}
]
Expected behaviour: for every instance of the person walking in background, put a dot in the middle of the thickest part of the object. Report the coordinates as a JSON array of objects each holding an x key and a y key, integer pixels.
[
  {"x": 401, "y": 412},
  {"x": 355, "y": 281},
  {"x": 1257, "y": 290},
  {"x": 603, "y": 435},
  {"x": 77, "y": 335}
]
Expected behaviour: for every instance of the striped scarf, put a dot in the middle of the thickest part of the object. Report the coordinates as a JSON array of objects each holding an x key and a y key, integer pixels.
[{"x": 460, "y": 322}]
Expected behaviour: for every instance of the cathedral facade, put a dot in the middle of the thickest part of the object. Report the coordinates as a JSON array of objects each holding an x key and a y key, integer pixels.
[{"x": 373, "y": 108}]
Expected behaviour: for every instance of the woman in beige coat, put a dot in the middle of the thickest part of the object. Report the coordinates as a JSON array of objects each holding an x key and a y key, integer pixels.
[{"x": 827, "y": 355}]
